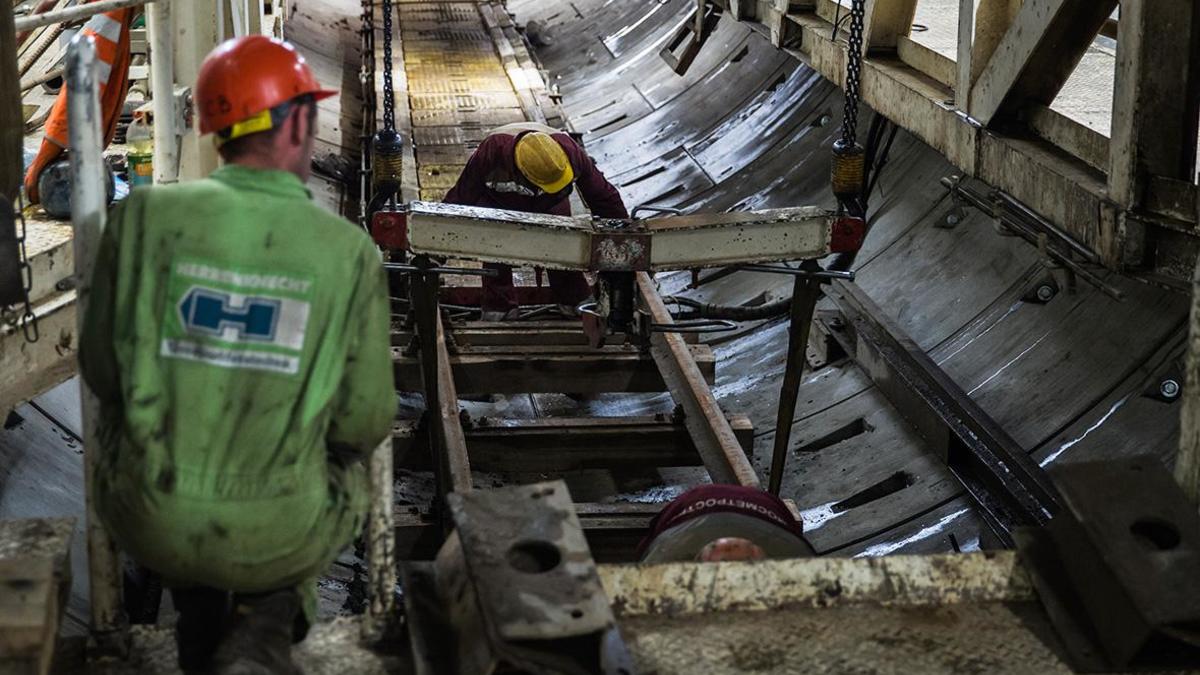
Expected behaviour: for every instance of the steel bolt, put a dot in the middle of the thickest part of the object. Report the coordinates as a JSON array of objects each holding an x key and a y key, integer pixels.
[
  {"x": 1169, "y": 388},
  {"x": 952, "y": 218},
  {"x": 1045, "y": 292}
]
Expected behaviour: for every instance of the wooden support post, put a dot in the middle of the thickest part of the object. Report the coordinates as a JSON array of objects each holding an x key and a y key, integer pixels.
[
  {"x": 992, "y": 20},
  {"x": 966, "y": 32},
  {"x": 1155, "y": 105},
  {"x": 1187, "y": 462},
  {"x": 11, "y": 125},
  {"x": 886, "y": 22},
  {"x": 381, "y": 543},
  {"x": 710, "y": 430},
  {"x": 1037, "y": 54}
]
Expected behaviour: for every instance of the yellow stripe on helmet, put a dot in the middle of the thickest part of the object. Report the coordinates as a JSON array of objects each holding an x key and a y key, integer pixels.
[{"x": 251, "y": 125}]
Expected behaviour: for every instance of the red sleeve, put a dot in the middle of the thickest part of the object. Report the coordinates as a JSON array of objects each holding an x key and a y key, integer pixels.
[
  {"x": 470, "y": 188},
  {"x": 600, "y": 195}
]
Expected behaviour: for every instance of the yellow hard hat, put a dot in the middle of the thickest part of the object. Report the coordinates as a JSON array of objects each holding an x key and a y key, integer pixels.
[{"x": 543, "y": 162}]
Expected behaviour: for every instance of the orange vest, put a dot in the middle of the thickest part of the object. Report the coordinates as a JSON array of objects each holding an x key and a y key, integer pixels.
[{"x": 110, "y": 31}]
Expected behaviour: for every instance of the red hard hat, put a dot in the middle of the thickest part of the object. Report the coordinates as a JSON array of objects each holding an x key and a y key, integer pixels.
[{"x": 245, "y": 76}]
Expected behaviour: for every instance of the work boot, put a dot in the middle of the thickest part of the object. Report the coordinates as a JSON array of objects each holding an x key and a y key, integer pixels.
[
  {"x": 261, "y": 635},
  {"x": 203, "y": 618}
]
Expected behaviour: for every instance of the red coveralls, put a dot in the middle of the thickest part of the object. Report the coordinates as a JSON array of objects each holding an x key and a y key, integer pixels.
[{"x": 493, "y": 164}]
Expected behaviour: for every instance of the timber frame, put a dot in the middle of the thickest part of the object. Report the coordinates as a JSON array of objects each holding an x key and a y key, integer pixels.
[
  {"x": 1131, "y": 199},
  {"x": 450, "y": 359}
]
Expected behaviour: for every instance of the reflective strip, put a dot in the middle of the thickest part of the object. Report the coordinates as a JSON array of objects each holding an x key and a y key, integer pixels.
[
  {"x": 104, "y": 26},
  {"x": 253, "y": 124},
  {"x": 103, "y": 70}
]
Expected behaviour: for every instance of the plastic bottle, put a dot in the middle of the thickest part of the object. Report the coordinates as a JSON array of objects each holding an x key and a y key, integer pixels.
[{"x": 139, "y": 156}]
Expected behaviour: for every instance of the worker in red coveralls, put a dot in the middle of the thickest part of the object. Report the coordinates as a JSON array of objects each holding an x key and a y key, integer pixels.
[
  {"x": 533, "y": 168},
  {"x": 724, "y": 522}
]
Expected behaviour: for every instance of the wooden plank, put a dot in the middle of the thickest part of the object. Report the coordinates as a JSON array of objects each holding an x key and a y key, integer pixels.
[
  {"x": 1155, "y": 105},
  {"x": 886, "y": 22},
  {"x": 29, "y": 368},
  {"x": 558, "y": 444},
  {"x": 483, "y": 370},
  {"x": 35, "y": 572},
  {"x": 1037, "y": 54},
  {"x": 710, "y": 431}
]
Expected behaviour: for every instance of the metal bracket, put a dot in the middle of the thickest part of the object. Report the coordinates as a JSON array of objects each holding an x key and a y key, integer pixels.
[
  {"x": 1119, "y": 569},
  {"x": 514, "y": 588}
]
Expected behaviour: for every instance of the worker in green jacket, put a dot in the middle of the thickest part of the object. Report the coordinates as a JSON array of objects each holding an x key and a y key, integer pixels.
[{"x": 237, "y": 337}]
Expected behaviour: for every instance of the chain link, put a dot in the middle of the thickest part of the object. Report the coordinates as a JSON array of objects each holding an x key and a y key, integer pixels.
[
  {"x": 854, "y": 46},
  {"x": 23, "y": 317},
  {"x": 389, "y": 95}
]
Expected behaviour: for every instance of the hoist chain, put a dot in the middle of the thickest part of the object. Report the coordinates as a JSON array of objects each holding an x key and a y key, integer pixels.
[
  {"x": 22, "y": 315},
  {"x": 389, "y": 95},
  {"x": 853, "y": 68}
]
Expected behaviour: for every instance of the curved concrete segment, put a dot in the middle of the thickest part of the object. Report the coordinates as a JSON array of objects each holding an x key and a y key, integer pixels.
[{"x": 748, "y": 126}]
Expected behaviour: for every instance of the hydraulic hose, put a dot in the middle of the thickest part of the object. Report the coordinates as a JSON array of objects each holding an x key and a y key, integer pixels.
[{"x": 703, "y": 310}]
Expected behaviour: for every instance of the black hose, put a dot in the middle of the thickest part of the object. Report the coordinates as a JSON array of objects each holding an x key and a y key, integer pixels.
[{"x": 703, "y": 310}]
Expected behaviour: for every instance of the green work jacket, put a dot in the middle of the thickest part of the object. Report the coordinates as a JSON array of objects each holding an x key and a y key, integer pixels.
[{"x": 237, "y": 337}]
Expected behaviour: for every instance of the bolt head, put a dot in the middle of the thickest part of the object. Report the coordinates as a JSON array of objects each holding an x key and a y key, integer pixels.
[
  {"x": 952, "y": 219},
  {"x": 1169, "y": 388},
  {"x": 1045, "y": 292}
]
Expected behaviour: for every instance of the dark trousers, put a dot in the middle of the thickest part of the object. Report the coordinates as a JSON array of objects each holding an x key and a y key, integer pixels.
[{"x": 499, "y": 294}]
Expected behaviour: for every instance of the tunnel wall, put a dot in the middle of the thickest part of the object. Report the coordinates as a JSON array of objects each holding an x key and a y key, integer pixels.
[{"x": 749, "y": 126}]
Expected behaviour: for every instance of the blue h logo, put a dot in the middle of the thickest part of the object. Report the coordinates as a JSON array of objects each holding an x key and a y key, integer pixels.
[{"x": 207, "y": 311}]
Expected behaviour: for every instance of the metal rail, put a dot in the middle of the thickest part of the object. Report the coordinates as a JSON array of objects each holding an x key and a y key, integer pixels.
[
  {"x": 448, "y": 442},
  {"x": 714, "y": 438},
  {"x": 1011, "y": 489},
  {"x": 75, "y": 13}
]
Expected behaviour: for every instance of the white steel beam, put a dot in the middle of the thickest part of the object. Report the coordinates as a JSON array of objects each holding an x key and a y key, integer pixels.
[{"x": 663, "y": 243}]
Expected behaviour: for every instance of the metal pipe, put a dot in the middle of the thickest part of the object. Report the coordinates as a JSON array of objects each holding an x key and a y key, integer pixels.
[
  {"x": 162, "y": 92},
  {"x": 75, "y": 13},
  {"x": 88, "y": 204}
]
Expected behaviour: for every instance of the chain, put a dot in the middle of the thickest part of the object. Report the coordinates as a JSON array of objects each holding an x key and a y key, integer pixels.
[
  {"x": 853, "y": 67},
  {"x": 389, "y": 95},
  {"x": 23, "y": 317}
]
